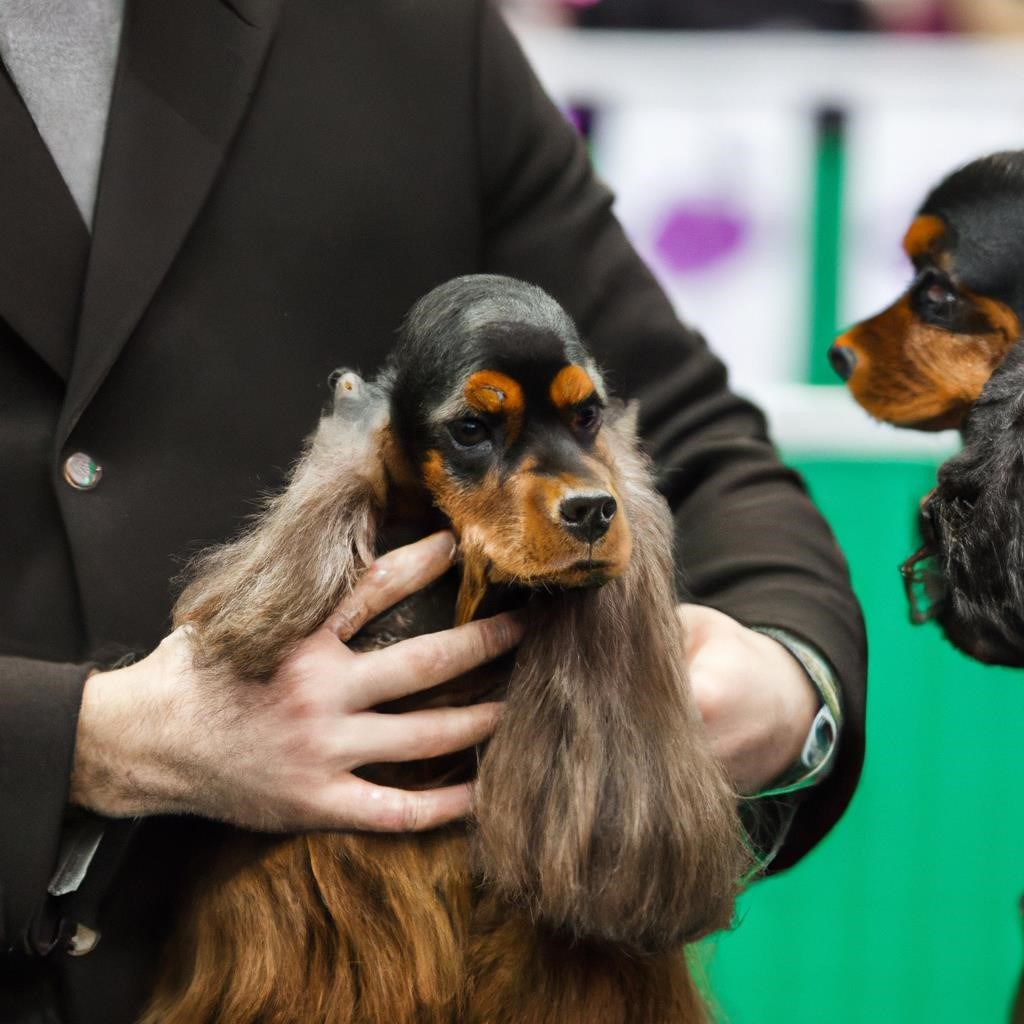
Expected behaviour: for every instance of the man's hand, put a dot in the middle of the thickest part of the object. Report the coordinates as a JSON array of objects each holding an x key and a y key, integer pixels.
[
  {"x": 160, "y": 737},
  {"x": 754, "y": 696}
]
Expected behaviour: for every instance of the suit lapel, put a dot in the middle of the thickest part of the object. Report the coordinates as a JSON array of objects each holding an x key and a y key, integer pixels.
[
  {"x": 186, "y": 71},
  {"x": 45, "y": 244}
]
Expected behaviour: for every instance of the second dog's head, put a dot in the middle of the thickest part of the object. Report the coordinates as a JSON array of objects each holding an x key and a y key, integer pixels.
[
  {"x": 499, "y": 410},
  {"x": 922, "y": 362}
]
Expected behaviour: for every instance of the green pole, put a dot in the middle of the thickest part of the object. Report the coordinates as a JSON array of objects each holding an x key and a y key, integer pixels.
[{"x": 826, "y": 245}]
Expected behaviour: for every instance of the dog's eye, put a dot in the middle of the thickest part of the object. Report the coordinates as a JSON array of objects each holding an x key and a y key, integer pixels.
[
  {"x": 587, "y": 420},
  {"x": 469, "y": 431},
  {"x": 935, "y": 294},
  {"x": 939, "y": 295}
]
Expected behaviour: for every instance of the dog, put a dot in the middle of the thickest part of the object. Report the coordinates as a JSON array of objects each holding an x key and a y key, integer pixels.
[
  {"x": 606, "y": 835},
  {"x": 945, "y": 355}
]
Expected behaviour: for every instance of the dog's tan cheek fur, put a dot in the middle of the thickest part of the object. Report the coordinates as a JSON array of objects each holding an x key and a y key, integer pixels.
[
  {"x": 912, "y": 374},
  {"x": 481, "y": 521},
  {"x": 476, "y": 511}
]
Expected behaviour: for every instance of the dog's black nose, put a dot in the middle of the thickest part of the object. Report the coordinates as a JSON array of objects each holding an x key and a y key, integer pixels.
[
  {"x": 843, "y": 360},
  {"x": 588, "y": 516}
]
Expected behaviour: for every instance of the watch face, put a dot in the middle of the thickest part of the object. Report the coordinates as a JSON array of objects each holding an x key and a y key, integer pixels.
[{"x": 820, "y": 739}]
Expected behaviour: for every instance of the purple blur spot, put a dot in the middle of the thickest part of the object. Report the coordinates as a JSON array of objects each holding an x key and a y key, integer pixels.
[
  {"x": 581, "y": 118},
  {"x": 697, "y": 235}
]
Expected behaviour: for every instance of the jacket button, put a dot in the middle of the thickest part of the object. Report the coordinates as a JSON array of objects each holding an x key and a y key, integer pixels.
[{"x": 82, "y": 471}]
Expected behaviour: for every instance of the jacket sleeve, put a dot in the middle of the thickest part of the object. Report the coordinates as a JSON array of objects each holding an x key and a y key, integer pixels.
[
  {"x": 39, "y": 704},
  {"x": 749, "y": 541}
]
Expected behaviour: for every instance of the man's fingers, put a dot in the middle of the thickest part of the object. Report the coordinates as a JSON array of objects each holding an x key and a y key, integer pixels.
[
  {"x": 420, "y": 734},
  {"x": 364, "y": 805},
  {"x": 424, "y": 661},
  {"x": 391, "y": 578}
]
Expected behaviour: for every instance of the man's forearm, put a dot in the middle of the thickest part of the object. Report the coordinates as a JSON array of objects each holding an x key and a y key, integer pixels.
[{"x": 39, "y": 704}]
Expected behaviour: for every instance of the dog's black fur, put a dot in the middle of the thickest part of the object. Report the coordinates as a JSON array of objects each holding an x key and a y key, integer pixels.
[
  {"x": 973, "y": 525},
  {"x": 982, "y": 205}
]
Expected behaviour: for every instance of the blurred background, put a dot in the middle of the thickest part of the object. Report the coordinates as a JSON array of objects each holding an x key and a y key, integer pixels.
[{"x": 768, "y": 156}]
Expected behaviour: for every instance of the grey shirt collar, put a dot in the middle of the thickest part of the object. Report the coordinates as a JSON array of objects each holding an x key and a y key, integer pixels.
[{"x": 61, "y": 55}]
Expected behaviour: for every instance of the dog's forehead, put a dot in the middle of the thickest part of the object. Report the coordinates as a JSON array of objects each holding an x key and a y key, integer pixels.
[
  {"x": 520, "y": 350},
  {"x": 538, "y": 364}
]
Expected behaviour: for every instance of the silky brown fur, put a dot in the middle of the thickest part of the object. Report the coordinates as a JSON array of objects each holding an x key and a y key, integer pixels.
[
  {"x": 604, "y": 852},
  {"x": 606, "y": 834}
]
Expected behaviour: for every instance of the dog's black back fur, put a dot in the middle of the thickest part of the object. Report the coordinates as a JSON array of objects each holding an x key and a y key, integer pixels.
[{"x": 974, "y": 523}]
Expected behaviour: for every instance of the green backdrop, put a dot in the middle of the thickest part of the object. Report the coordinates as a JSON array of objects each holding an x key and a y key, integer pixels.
[{"x": 907, "y": 912}]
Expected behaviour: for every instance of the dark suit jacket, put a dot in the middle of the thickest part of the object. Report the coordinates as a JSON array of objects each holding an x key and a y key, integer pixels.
[{"x": 280, "y": 181}]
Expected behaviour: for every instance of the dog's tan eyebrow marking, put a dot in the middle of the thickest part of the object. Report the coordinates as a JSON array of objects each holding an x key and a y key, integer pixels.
[
  {"x": 924, "y": 237},
  {"x": 491, "y": 391},
  {"x": 571, "y": 385}
]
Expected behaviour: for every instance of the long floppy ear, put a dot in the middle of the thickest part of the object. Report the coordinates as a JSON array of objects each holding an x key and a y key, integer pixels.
[
  {"x": 601, "y": 808},
  {"x": 974, "y": 528},
  {"x": 250, "y": 601}
]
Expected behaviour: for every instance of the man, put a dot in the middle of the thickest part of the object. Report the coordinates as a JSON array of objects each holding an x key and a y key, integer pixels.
[{"x": 281, "y": 179}]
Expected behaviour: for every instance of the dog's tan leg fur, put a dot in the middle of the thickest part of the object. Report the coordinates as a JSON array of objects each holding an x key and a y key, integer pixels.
[
  {"x": 519, "y": 975},
  {"x": 323, "y": 929}
]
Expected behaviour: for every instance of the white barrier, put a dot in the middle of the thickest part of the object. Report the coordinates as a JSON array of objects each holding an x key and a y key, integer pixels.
[{"x": 723, "y": 124}]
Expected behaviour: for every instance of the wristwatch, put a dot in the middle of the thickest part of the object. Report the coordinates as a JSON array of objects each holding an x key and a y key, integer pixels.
[{"x": 819, "y": 749}]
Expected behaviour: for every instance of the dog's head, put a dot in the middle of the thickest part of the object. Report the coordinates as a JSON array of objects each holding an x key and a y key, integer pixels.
[
  {"x": 499, "y": 409},
  {"x": 922, "y": 362},
  {"x": 972, "y": 561}
]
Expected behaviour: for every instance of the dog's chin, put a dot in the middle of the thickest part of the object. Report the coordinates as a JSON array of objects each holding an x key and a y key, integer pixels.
[
  {"x": 908, "y": 411},
  {"x": 584, "y": 572},
  {"x": 908, "y": 418},
  {"x": 588, "y": 573},
  {"x": 949, "y": 419}
]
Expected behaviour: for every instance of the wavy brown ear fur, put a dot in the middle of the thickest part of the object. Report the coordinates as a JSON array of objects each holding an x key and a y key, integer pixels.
[
  {"x": 250, "y": 601},
  {"x": 602, "y": 809}
]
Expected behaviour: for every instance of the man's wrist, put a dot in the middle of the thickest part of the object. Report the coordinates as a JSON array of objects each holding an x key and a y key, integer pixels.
[
  {"x": 117, "y": 770},
  {"x": 818, "y": 752}
]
